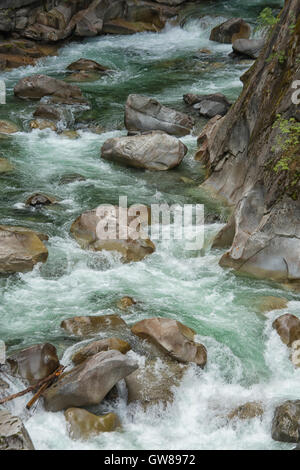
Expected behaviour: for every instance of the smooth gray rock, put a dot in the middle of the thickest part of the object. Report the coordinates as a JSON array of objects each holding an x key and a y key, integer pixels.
[
  {"x": 248, "y": 47},
  {"x": 88, "y": 383},
  {"x": 153, "y": 151},
  {"x": 147, "y": 114},
  {"x": 13, "y": 435},
  {"x": 232, "y": 29}
]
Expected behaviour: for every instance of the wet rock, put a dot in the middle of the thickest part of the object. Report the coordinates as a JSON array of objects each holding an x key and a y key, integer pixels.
[
  {"x": 204, "y": 138},
  {"x": 286, "y": 422},
  {"x": 131, "y": 247},
  {"x": 248, "y": 47},
  {"x": 7, "y": 127},
  {"x": 38, "y": 86},
  {"x": 34, "y": 363},
  {"x": 38, "y": 200},
  {"x": 53, "y": 113},
  {"x": 73, "y": 135},
  {"x": 208, "y": 105},
  {"x": 83, "y": 77},
  {"x": 84, "y": 425},
  {"x": 225, "y": 236},
  {"x": 147, "y": 114},
  {"x": 95, "y": 347},
  {"x": 154, "y": 383},
  {"x": 87, "y": 65},
  {"x": 249, "y": 410},
  {"x": 42, "y": 236},
  {"x": 230, "y": 30},
  {"x": 288, "y": 328},
  {"x": 88, "y": 383},
  {"x": 13, "y": 435},
  {"x": 125, "y": 303},
  {"x": 20, "y": 250},
  {"x": 21, "y": 52},
  {"x": 295, "y": 356},
  {"x": 269, "y": 303},
  {"x": 153, "y": 151},
  {"x": 5, "y": 166},
  {"x": 43, "y": 124},
  {"x": 91, "y": 325},
  {"x": 71, "y": 178},
  {"x": 173, "y": 338},
  {"x": 121, "y": 26}
]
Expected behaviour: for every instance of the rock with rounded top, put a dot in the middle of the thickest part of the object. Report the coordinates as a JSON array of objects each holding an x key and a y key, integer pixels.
[
  {"x": 230, "y": 30},
  {"x": 249, "y": 48},
  {"x": 288, "y": 328},
  {"x": 147, "y": 114},
  {"x": 91, "y": 325},
  {"x": 88, "y": 230},
  {"x": 174, "y": 338},
  {"x": 83, "y": 425},
  {"x": 95, "y": 347},
  {"x": 152, "y": 151},
  {"x": 87, "y": 65},
  {"x": 125, "y": 302},
  {"x": 286, "y": 422},
  {"x": 36, "y": 87},
  {"x": 13, "y": 435},
  {"x": 34, "y": 363},
  {"x": 7, "y": 127},
  {"x": 89, "y": 382},
  {"x": 38, "y": 200},
  {"x": 20, "y": 249}
]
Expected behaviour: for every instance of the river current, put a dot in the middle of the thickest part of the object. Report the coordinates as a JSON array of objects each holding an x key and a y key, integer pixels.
[{"x": 246, "y": 359}]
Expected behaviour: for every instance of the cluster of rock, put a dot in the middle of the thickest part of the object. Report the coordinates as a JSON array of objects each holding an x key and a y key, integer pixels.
[{"x": 99, "y": 365}]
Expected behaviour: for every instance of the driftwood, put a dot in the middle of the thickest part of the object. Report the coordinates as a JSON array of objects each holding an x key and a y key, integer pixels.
[{"x": 46, "y": 381}]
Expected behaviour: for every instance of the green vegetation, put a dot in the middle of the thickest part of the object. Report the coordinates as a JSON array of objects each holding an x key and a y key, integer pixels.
[
  {"x": 266, "y": 19},
  {"x": 288, "y": 141}
]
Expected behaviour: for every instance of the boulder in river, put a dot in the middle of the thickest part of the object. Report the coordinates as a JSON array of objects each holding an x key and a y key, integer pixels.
[
  {"x": 95, "y": 347},
  {"x": 174, "y": 338},
  {"x": 269, "y": 303},
  {"x": 154, "y": 382},
  {"x": 87, "y": 65},
  {"x": 34, "y": 363},
  {"x": 13, "y": 435},
  {"x": 132, "y": 247},
  {"x": 89, "y": 382},
  {"x": 7, "y": 127},
  {"x": 20, "y": 249},
  {"x": 38, "y": 200},
  {"x": 286, "y": 422},
  {"x": 125, "y": 302},
  {"x": 91, "y": 325},
  {"x": 208, "y": 105},
  {"x": 230, "y": 30},
  {"x": 152, "y": 151},
  {"x": 248, "y": 48},
  {"x": 249, "y": 410},
  {"x": 288, "y": 328},
  {"x": 147, "y": 114},
  {"x": 36, "y": 87},
  {"x": 43, "y": 124},
  {"x": 83, "y": 425}
]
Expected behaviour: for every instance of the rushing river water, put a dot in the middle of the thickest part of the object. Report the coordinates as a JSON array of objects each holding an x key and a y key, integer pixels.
[{"x": 246, "y": 359}]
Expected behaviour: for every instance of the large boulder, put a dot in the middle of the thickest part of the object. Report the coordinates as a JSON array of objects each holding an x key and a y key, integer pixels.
[
  {"x": 215, "y": 104},
  {"x": 95, "y": 347},
  {"x": 87, "y": 65},
  {"x": 288, "y": 328},
  {"x": 174, "y": 338},
  {"x": 147, "y": 114},
  {"x": 38, "y": 200},
  {"x": 230, "y": 30},
  {"x": 152, "y": 151},
  {"x": 7, "y": 127},
  {"x": 13, "y": 435},
  {"x": 248, "y": 48},
  {"x": 83, "y": 425},
  {"x": 34, "y": 363},
  {"x": 36, "y": 87},
  {"x": 91, "y": 325},
  {"x": 20, "y": 250},
  {"x": 286, "y": 422},
  {"x": 88, "y": 383},
  {"x": 132, "y": 247},
  {"x": 154, "y": 382}
]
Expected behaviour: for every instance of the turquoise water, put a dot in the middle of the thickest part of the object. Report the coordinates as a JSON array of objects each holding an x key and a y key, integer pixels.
[{"x": 246, "y": 359}]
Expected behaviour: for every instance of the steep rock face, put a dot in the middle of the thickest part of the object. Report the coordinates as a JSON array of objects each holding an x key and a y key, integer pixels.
[{"x": 247, "y": 154}]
